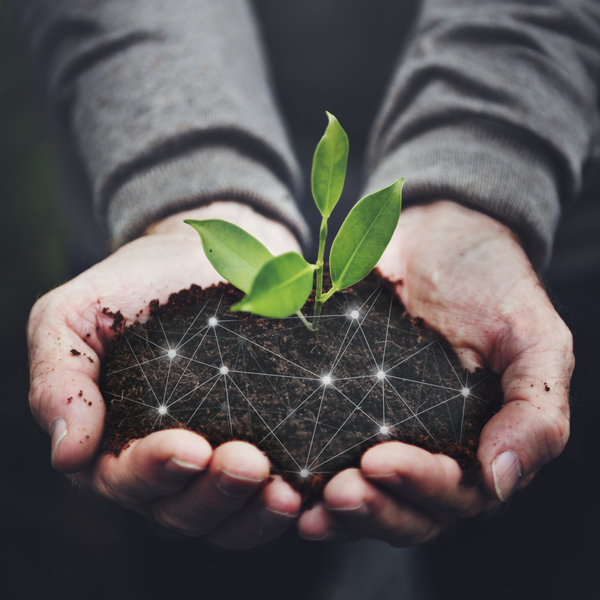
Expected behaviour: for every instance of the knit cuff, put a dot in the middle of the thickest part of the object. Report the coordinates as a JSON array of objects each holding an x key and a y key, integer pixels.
[
  {"x": 487, "y": 166},
  {"x": 196, "y": 179}
]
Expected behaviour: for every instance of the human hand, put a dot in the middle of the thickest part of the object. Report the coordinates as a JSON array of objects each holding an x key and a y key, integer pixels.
[
  {"x": 174, "y": 477},
  {"x": 467, "y": 276}
]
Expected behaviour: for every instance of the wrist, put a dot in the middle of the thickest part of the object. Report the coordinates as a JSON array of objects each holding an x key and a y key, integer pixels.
[
  {"x": 425, "y": 228},
  {"x": 273, "y": 234},
  {"x": 451, "y": 217}
]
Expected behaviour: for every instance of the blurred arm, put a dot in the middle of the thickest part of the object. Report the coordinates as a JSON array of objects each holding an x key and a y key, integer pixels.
[
  {"x": 168, "y": 105},
  {"x": 494, "y": 106}
]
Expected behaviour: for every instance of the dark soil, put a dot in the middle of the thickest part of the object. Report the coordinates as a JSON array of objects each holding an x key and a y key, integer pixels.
[{"x": 261, "y": 380}]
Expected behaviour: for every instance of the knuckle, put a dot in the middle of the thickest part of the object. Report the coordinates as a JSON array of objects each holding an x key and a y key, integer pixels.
[
  {"x": 40, "y": 395},
  {"x": 109, "y": 487},
  {"x": 172, "y": 522},
  {"x": 469, "y": 511},
  {"x": 214, "y": 514},
  {"x": 35, "y": 398},
  {"x": 565, "y": 333},
  {"x": 428, "y": 534},
  {"x": 555, "y": 431},
  {"x": 35, "y": 315},
  {"x": 451, "y": 502},
  {"x": 564, "y": 338},
  {"x": 463, "y": 509},
  {"x": 431, "y": 534},
  {"x": 103, "y": 489}
]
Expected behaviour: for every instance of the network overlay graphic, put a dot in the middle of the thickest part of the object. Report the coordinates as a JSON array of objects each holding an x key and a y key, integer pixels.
[{"x": 312, "y": 403}]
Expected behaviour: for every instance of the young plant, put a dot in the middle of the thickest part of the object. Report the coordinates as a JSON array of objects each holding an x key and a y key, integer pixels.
[{"x": 279, "y": 286}]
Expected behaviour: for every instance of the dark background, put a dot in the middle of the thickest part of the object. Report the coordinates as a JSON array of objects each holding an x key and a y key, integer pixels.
[{"x": 59, "y": 543}]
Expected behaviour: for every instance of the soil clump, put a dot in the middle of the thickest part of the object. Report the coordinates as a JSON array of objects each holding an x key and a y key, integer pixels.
[{"x": 313, "y": 403}]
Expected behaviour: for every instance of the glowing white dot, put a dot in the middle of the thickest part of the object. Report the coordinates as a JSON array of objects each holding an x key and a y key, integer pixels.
[
  {"x": 466, "y": 392},
  {"x": 212, "y": 321},
  {"x": 354, "y": 314},
  {"x": 380, "y": 375},
  {"x": 383, "y": 429},
  {"x": 224, "y": 370},
  {"x": 326, "y": 379},
  {"x": 304, "y": 473},
  {"x": 171, "y": 353},
  {"x": 162, "y": 410}
]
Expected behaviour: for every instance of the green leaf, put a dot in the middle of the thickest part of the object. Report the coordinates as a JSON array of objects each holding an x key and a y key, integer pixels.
[
  {"x": 329, "y": 167},
  {"x": 280, "y": 288},
  {"x": 235, "y": 254},
  {"x": 364, "y": 235}
]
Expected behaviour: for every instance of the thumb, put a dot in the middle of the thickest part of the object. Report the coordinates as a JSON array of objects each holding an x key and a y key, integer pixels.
[
  {"x": 64, "y": 361},
  {"x": 532, "y": 428}
]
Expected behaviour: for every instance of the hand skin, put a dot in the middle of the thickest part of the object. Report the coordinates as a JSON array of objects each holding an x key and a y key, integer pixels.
[
  {"x": 467, "y": 276},
  {"x": 462, "y": 271},
  {"x": 173, "y": 477}
]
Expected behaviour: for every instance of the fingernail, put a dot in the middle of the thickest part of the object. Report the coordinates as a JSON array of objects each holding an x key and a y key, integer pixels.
[
  {"x": 360, "y": 510},
  {"x": 506, "y": 470},
  {"x": 275, "y": 517},
  {"x": 58, "y": 430},
  {"x": 180, "y": 468},
  {"x": 236, "y": 486},
  {"x": 322, "y": 538}
]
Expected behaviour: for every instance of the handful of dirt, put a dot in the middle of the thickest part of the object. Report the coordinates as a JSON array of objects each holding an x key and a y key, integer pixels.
[{"x": 313, "y": 403}]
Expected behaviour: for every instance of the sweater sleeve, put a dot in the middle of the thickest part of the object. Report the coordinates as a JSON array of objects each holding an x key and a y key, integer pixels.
[
  {"x": 169, "y": 104},
  {"x": 495, "y": 106}
]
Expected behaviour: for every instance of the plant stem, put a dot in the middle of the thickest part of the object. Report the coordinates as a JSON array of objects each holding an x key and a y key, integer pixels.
[
  {"x": 304, "y": 320},
  {"x": 328, "y": 295},
  {"x": 319, "y": 289}
]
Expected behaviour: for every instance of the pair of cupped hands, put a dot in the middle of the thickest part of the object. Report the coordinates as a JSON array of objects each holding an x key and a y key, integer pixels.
[{"x": 463, "y": 272}]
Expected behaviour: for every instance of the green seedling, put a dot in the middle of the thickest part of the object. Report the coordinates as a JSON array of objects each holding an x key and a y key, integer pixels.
[{"x": 279, "y": 286}]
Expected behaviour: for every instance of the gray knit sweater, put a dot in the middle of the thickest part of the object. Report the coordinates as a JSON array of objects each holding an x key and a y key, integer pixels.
[{"x": 170, "y": 105}]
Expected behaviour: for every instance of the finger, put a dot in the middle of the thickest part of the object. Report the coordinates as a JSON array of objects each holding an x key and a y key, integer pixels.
[
  {"x": 533, "y": 426},
  {"x": 237, "y": 471},
  {"x": 371, "y": 512},
  {"x": 64, "y": 372},
  {"x": 430, "y": 481},
  {"x": 318, "y": 524},
  {"x": 160, "y": 464},
  {"x": 271, "y": 513}
]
